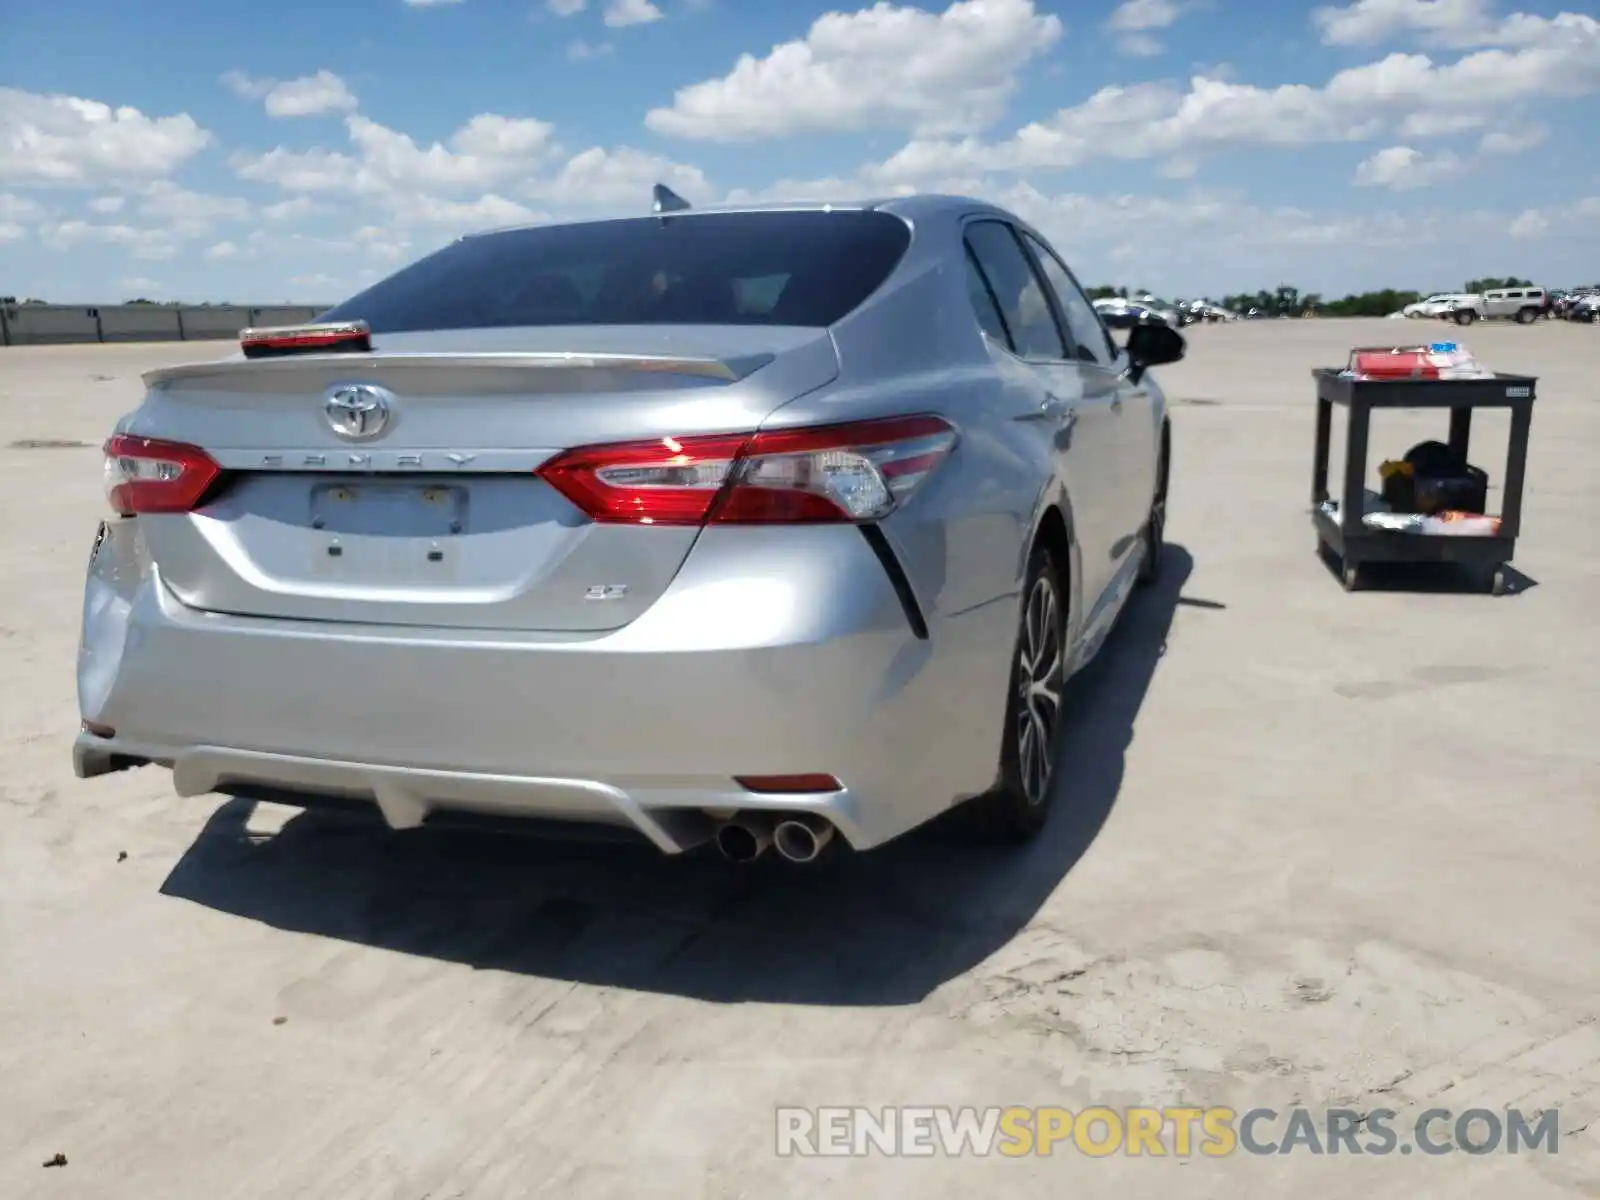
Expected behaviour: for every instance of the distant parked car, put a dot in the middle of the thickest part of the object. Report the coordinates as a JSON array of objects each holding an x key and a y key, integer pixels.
[
  {"x": 1435, "y": 306},
  {"x": 1522, "y": 305},
  {"x": 1118, "y": 313},
  {"x": 1585, "y": 308}
]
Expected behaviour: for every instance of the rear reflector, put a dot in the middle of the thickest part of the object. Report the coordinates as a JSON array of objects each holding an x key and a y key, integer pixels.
[
  {"x": 337, "y": 337},
  {"x": 833, "y": 473},
  {"x": 144, "y": 475},
  {"x": 788, "y": 784}
]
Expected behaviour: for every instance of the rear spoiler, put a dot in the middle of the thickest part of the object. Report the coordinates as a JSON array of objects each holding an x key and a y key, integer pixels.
[
  {"x": 297, "y": 359},
  {"x": 331, "y": 337}
]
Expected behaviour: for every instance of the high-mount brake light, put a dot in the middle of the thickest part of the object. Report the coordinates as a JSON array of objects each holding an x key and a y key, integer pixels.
[
  {"x": 144, "y": 475},
  {"x": 822, "y": 474},
  {"x": 350, "y": 337}
]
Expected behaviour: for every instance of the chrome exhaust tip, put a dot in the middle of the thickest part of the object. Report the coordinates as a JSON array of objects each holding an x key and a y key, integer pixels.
[
  {"x": 801, "y": 839},
  {"x": 745, "y": 838}
]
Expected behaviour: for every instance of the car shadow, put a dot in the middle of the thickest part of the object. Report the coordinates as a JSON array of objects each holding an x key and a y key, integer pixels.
[{"x": 884, "y": 927}]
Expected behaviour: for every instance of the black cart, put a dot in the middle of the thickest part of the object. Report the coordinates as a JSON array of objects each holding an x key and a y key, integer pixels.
[{"x": 1354, "y": 544}]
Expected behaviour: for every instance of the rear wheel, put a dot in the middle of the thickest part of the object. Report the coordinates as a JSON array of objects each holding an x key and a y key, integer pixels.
[
  {"x": 1527, "y": 316},
  {"x": 1465, "y": 317},
  {"x": 1020, "y": 803}
]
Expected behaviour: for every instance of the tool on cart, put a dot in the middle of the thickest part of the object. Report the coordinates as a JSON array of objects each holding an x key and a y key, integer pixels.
[{"x": 1432, "y": 502}]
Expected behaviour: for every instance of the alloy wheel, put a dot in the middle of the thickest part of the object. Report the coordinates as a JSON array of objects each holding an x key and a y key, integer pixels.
[{"x": 1039, "y": 679}]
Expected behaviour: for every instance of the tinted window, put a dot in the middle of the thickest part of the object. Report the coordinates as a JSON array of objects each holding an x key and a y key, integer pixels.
[
  {"x": 763, "y": 268},
  {"x": 983, "y": 305},
  {"x": 1016, "y": 287},
  {"x": 1089, "y": 336}
]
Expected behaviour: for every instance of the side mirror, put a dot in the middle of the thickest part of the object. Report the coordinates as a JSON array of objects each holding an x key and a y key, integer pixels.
[{"x": 1153, "y": 344}]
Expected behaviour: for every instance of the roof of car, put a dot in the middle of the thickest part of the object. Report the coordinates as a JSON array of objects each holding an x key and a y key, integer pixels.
[{"x": 913, "y": 206}]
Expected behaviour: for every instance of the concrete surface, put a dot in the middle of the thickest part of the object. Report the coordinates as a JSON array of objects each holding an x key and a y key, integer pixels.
[{"x": 1312, "y": 847}]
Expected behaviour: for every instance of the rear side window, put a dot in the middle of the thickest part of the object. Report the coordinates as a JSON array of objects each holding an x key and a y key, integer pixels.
[
  {"x": 983, "y": 304},
  {"x": 759, "y": 268},
  {"x": 1017, "y": 289}
]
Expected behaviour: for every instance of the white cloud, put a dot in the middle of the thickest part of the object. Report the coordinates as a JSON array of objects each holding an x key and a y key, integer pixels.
[
  {"x": 1403, "y": 168},
  {"x": 291, "y": 210},
  {"x": 1133, "y": 20},
  {"x": 188, "y": 213},
  {"x": 622, "y": 13},
  {"x": 1513, "y": 141},
  {"x": 1530, "y": 224},
  {"x": 567, "y": 8},
  {"x": 887, "y": 66},
  {"x": 245, "y": 86},
  {"x": 463, "y": 216},
  {"x": 310, "y": 96},
  {"x": 138, "y": 283},
  {"x": 620, "y": 177},
  {"x": 12, "y": 232},
  {"x": 1453, "y": 24},
  {"x": 19, "y": 208},
  {"x": 141, "y": 243},
  {"x": 582, "y": 51},
  {"x": 486, "y": 150},
  {"x": 1408, "y": 91},
  {"x": 222, "y": 250},
  {"x": 107, "y": 205},
  {"x": 68, "y": 140},
  {"x": 307, "y": 96}
]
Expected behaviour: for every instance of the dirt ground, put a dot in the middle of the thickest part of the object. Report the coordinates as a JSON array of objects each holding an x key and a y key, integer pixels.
[{"x": 1312, "y": 848}]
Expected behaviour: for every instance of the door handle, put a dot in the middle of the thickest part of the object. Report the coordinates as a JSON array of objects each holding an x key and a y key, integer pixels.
[{"x": 1050, "y": 409}]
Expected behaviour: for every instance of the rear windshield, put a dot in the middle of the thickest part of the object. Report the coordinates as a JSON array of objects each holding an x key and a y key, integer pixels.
[{"x": 757, "y": 268}]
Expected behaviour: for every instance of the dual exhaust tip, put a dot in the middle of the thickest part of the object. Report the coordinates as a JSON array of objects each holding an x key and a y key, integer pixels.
[{"x": 799, "y": 838}]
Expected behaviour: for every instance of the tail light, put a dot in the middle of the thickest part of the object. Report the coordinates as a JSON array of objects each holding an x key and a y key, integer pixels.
[
  {"x": 833, "y": 473},
  {"x": 144, "y": 475}
]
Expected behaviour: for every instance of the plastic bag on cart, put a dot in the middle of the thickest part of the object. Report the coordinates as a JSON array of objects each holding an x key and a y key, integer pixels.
[
  {"x": 1436, "y": 360},
  {"x": 1445, "y": 524}
]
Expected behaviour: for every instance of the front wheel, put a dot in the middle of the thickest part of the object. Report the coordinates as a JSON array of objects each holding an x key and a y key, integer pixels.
[
  {"x": 1019, "y": 805},
  {"x": 1154, "y": 534},
  {"x": 1465, "y": 318}
]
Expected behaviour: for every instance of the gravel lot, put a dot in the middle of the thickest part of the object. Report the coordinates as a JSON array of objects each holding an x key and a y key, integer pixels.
[{"x": 1313, "y": 848}]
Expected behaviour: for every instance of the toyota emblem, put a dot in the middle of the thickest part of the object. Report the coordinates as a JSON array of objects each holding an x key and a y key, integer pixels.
[{"x": 357, "y": 411}]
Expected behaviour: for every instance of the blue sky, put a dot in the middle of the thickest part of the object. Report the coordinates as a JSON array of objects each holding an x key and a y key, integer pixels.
[{"x": 254, "y": 153}]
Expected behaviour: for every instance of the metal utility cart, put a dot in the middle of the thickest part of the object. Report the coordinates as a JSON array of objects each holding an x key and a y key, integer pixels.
[{"x": 1353, "y": 543}]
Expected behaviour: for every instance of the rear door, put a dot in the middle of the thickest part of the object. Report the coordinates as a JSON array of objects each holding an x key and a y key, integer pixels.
[
  {"x": 1074, "y": 414},
  {"x": 1104, "y": 366}
]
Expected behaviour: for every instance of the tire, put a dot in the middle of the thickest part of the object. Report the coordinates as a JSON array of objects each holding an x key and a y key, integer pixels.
[
  {"x": 1019, "y": 805},
  {"x": 1465, "y": 317},
  {"x": 1154, "y": 533},
  {"x": 1527, "y": 316}
]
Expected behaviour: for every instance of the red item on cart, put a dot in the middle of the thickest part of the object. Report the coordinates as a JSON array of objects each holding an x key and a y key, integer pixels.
[{"x": 1406, "y": 363}]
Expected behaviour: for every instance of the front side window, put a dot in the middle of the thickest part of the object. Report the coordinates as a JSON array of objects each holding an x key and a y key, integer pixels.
[
  {"x": 1089, "y": 335},
  {"x": 806, "y": 268},
  {"x": 1017, "y": 290}
]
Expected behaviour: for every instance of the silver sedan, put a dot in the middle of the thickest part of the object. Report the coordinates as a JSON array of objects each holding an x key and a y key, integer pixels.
[{"x": 757, "y": 527}]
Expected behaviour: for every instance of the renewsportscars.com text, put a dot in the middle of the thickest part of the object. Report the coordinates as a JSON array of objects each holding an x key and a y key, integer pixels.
[{"x": 1100, "y": 1132}]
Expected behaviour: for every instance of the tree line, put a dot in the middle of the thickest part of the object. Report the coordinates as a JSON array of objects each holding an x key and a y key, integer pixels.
[{"x": 1292, "y": 302}]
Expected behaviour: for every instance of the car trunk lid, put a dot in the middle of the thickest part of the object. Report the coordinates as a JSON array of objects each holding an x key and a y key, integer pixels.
[{"x": 424, "y": 509}]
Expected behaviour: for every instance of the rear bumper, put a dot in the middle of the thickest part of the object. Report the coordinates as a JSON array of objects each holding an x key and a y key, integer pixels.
[{"x": 773, "y": 652}]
